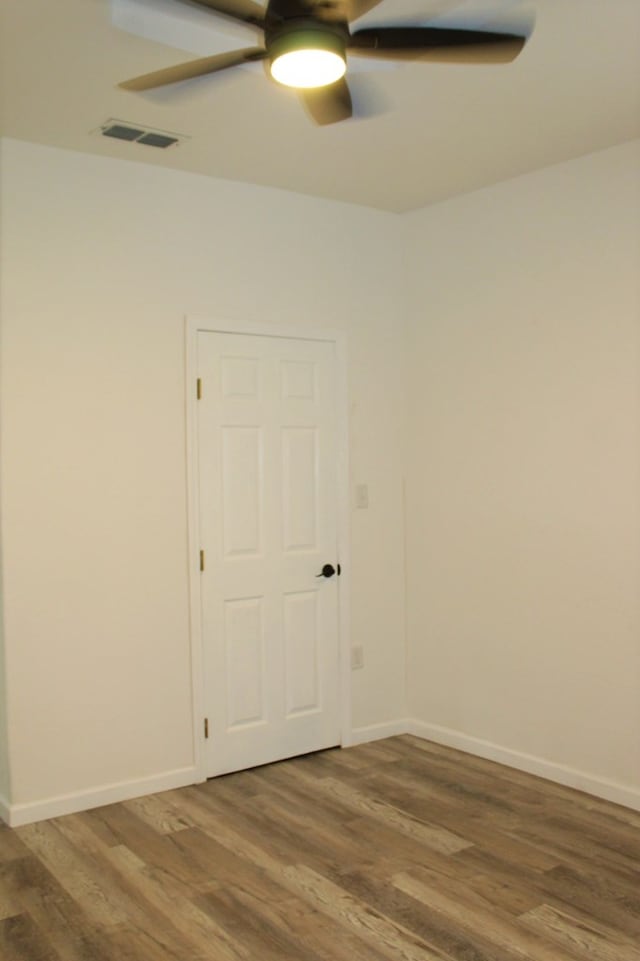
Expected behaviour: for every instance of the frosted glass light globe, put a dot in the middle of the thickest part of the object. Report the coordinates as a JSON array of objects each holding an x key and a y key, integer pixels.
[{"x": 308, "y": 68}]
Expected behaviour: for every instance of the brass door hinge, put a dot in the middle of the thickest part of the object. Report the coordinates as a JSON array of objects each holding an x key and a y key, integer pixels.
[
  {"x": 201, "y": 560},
  {"x": 206, "y": 727},
  {"x": 199, "y": 388}
]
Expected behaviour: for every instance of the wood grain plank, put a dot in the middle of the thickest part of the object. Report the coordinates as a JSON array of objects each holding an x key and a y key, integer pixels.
[
  {"x": 252, "y": 922},
  {"x": 588, "y": 940},
  {"x": 339, "y": 801},
  {"x": 10, "y": 844},
  {"x": 22, "y": 940},
  {"x": 36, "y": 891},
  {"x": 466, "y": 820},
  {"x": 10, "y": 904},
  {"x": 314, "y": 932},
  {"x": 594, "y": 895},
  {"x": 197, "y": 931},
  {"x": 392, "y": 939},
  {"x": 503, "y": 931},
  {"x": 159, "y": 814},
  {"x": 136, "y": 834},
  {"x": 264, "y": 885},
  {"x": 74, "y": 872},
  {"x": 435, "y": 929}
]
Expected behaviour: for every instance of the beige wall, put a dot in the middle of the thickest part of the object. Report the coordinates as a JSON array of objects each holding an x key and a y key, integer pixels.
[
  {"x": 103, "y": 260},
  {"x": 522, "y": 504},
  {"x": 5, "y": 787},
  {"x": 524, "y": 466}
]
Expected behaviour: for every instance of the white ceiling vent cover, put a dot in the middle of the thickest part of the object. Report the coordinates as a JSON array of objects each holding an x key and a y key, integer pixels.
[{"x": 136, "y": 133}]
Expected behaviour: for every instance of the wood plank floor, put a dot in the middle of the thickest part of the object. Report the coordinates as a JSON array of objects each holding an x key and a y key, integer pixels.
[{"x": 400, "y": 850}]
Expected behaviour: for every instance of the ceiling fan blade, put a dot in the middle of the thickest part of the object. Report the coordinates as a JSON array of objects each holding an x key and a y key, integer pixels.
[
  {"x": 194, "y": 68},
  {"x": 326, "y": 11},
  {"x": 436, "y": 44},
  {"x": 328, "y": 104},
  {"x": 244, "y": 10}
]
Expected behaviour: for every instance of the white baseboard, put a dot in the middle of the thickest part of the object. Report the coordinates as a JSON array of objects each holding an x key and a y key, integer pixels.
[
  {"x": 375, "y": 732},
  {"x": 18, "y": 814},
  {"x": 560, "y": 773}
]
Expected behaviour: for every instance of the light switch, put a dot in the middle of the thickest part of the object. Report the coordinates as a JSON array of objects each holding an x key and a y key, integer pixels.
[{"x": 362, "y": 496}]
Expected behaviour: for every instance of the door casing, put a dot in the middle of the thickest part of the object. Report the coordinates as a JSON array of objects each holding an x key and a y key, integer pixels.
[{"x": 192, "y": 326}]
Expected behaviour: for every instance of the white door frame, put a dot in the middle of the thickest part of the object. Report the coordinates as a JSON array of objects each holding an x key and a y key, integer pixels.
[{"x": 193, "y": 325}]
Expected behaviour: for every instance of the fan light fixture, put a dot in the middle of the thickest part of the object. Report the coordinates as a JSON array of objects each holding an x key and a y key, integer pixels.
[
  {"x": 308, "y": 58},
  {"x": 305, "y": 44}
]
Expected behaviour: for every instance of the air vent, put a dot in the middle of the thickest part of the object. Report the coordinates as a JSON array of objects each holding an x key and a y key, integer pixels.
[
  {"x": 121, "y": 130},
  {"x": 122, "y": 133},
  {"x": 157, "y": 140}
]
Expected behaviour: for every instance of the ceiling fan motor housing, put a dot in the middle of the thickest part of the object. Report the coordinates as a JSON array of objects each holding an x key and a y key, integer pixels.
[{"x": 306, "y": 34}]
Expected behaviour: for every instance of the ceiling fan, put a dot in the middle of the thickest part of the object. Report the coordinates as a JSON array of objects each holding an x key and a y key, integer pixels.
[{"x": 306, "y": 43}]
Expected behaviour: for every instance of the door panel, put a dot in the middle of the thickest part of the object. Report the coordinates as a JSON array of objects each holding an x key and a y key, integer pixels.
[
  {"x": 245, "y": 661},
  {"x": 302, "y": 652},
  {"x": 242, "y": 485},
  {"x": 266, "y": 440}
]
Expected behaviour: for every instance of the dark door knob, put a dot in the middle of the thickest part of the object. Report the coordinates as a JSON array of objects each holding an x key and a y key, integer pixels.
[{"x": 327, "y": 571}]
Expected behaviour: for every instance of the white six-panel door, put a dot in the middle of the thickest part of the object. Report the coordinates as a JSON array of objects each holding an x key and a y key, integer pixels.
[{"x": 266, "y": 449}]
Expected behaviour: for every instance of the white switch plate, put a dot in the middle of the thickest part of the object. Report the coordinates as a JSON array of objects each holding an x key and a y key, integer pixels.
[{"x": 362, "y": 496}]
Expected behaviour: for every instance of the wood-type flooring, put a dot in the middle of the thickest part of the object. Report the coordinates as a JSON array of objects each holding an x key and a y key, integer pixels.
[{"x": 401, "y": 850}]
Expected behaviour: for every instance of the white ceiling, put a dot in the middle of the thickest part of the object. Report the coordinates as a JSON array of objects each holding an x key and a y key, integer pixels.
[{"x": 426, "y": 131}]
